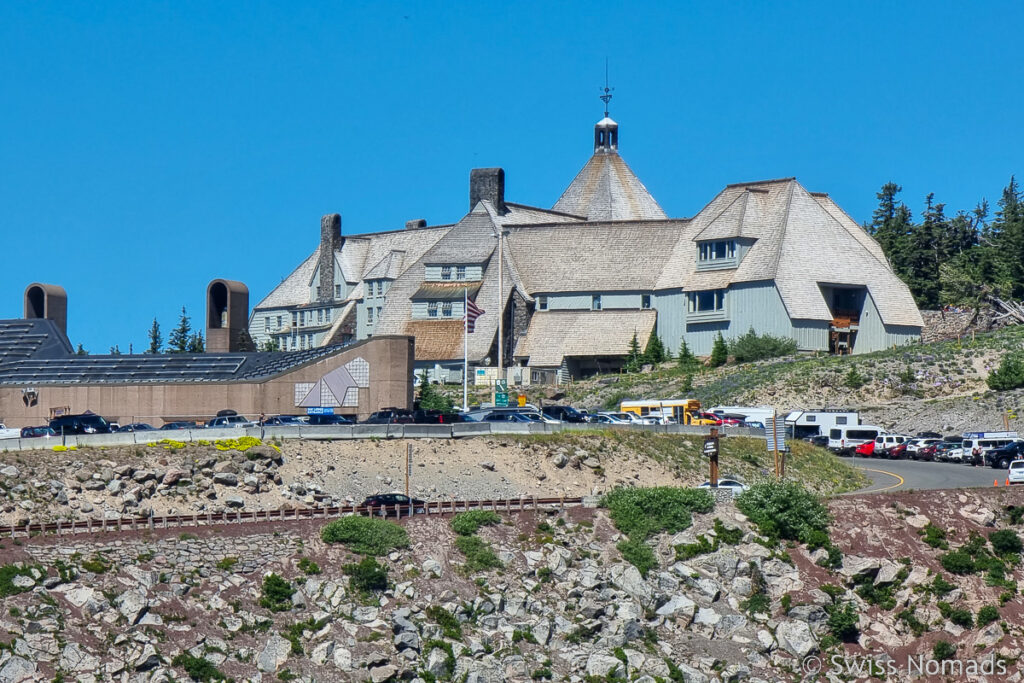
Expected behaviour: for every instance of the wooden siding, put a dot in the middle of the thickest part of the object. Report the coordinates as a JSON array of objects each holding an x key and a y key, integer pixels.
[
  {"x": 811, "y": 335},
  {"x": 874, "y": 335},
  {"x": 432, "y": 273},
  {"x": 419, "y": 311},
  {"x": 583, "y": 302}
]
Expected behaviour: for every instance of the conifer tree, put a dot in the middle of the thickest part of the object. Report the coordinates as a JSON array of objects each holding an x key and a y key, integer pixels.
[
  {"x": 431, "y": 398},
  {"x": 655, "y": 352},
  {"x": 156, "y": 340},
  {"x": 196, "y": 344},
  {"x": 178, "y": 342},
  {"x": 719, "y": 352},
  {"x": 685, "y": 359},
  {"x": 80, "y": 351},
  {"x": 633, "y": 358}
]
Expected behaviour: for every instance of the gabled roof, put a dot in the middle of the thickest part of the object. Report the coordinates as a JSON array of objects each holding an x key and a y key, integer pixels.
[
  {"x": 608, "y": 190},
  {"x": 471, "y": 240},
  {"x": 388, "y": 267},
  {"x": 592, "y": 257},
  {"x": 554, "y": 335}
]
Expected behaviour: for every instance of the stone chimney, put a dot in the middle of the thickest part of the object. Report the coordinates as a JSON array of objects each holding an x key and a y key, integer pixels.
[
  {"x": 417, "y": 223},
  {"x": 330, "y": 242},
  {"x": 489, "y": 184}
]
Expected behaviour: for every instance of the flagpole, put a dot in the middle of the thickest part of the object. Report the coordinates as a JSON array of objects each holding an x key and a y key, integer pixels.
[{"x": 465, "y": 350}]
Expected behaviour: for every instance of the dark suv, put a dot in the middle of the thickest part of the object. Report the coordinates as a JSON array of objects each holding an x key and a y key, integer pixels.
[
  {"x": 80, "y": 424},
  {"x": 564, "y": 413},
  {"x": 329, "y": 420},
  {"x": 390, "y": 416}
]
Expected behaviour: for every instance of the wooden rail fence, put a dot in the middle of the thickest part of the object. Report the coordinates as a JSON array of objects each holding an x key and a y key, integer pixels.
[{"x": 439, "y": 507}]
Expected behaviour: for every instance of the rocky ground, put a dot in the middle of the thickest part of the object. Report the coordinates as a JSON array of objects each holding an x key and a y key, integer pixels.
[
  {"x": 564, "y": 606},
  {"x": 98, "y": 483}
]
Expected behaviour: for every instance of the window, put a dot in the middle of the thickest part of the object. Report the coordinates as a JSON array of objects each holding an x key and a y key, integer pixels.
[
  {"x": 718, "y": 251},
  {"x": 446, "y": 309},
  {"x": 460, "y": 273},
  {"x": 595, "y": 302},
  {"x": 707, "y": 301},
  {"x": 446, "y": 272},
  {"x": 542, "y": 303},
  {"x": 432, "y": 309},
  {"x": 645, "y": 301},
  {"x": 841, "y": 420},
  {"x": 320, "y": 315},
  {"x": 337, "y": 291},
  {"x": 302, "y": 341},
  {"x": 380, "y": 288},
  {"x": 369, "y": 315},
  {"x": 327, "y": 314},
  {"x": 812, "y": 418},
  {"x": 378, "y": 312},
  {"x": 295, "y": 319},
  {"x": 266, "y": 323}
]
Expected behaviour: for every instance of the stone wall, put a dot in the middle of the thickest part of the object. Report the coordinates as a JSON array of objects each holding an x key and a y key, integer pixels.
[
  {"x": 952, "y": 324},
  {"x": 183, "y": 553}
]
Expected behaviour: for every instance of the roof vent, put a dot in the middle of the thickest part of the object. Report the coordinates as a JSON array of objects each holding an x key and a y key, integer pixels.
[{"x": 417, "y": 223}]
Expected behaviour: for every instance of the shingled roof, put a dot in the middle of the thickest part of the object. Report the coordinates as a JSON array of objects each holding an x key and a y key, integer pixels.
[
  {"x": 34, "y": 338},
  {"x": 554, "y": 335},
  {"x": 608, "y": 190}
]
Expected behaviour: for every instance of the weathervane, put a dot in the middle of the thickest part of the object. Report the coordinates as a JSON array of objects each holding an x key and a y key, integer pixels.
[{"x": 607, "y": 96}]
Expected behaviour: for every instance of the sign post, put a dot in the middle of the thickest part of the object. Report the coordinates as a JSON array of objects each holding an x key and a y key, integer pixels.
[
  {"x": 711, "y": 452},
  {"x": 408, "y": 467},
  {"x": 775, "y": 439},
  {"x": 501, "y": 393}
]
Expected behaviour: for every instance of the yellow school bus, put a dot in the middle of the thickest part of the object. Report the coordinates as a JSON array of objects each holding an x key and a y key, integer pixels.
[{"x": 681, "y": 410}]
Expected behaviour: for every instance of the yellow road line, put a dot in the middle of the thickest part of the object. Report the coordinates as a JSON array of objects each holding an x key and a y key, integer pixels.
[{"x": 891, "y": 474}]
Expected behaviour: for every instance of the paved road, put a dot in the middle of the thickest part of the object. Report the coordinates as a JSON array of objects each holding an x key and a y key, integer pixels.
[{"x": 903, "y": 475}]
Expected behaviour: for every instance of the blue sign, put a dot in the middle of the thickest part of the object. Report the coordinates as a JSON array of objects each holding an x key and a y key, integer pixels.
[{"x": 319, "y": 411}]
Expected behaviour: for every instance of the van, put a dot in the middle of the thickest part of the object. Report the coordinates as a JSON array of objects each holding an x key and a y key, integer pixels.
[
  {"x": 842, "y": 439},
  {"x": 977, "y": 444}
]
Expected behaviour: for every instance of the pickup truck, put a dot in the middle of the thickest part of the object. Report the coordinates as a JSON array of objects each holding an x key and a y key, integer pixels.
[{"x": 6, "y": 433}]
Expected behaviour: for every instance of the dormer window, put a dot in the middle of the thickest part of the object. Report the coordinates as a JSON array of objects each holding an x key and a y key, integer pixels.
[
  {"x": 432, "y": 309},
  {"x": 460, "y": 272},
  {"x": 446, "y": 272},
  {"x": 717, "y": 254}
]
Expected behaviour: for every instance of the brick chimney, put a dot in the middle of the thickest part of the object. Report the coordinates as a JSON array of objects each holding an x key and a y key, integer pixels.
[
  {"x": 489, "y": 184},
  {"x": 330, "y": 242}
]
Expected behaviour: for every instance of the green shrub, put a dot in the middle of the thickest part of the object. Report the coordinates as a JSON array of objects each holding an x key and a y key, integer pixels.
[
  {"x": 1015, "y": 513},
  {"x": 643, "y": 512},
  {"x": 758, "y": 602},
  {"x": 1005, "y": 542},
  {"x": 940, "y": 587},
  {"x": 688, "y": 551},
  {"x": 7, "y": 574},
  {"x": 943, "y": 650},
  {"x": 783, "y": 510},
  {"x": 934, "y": 536},
  {"x": 227, "y": 563},
  {"x": 308, "y": 566},
  {"x": 854, "y": 380},
  {"x": 198, "y": 668},
  {"x": 986, "y": 615},
  {"x": 366, "y": 535},
  {"x": 957, "y": 562},
  {"x": 479, "y": 555},
  {"x": 277, "y": 593},
  {"x": 752, "y": 346},
  {"x": 96, "y": 565},
  {"x": 450, "y": 626},
  {"x": 726, "y": 535},
  {"x": 1009, "y": 374},
  {"x": 367, "y": 575},
  {"x": 842, "y": 622},
  {"x": 909, "y": 618},
  {"x": 639, "y": 554},
  {"x": 468, "y": 523}
]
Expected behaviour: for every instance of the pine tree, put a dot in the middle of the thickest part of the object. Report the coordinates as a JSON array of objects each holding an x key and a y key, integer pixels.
[
  {"x": 431, "y": 398},
  {"x": 115, "y": 350},
  {"x": 633, "y": 358},
  {"x": 890, "y": 226},
  {"x": 685, "y": 359},
  {"x": 80, "y": 351},
  {"x": 178, "y": 342},
  {"x": 687, "y": 384},
  {"x": 719, "y": 352},
  {"x": 156, "y": 340},
  {"x": 270, "y": 345},
  {"x": 196, "y": 344},
  {"x": 655, "y": 352}
]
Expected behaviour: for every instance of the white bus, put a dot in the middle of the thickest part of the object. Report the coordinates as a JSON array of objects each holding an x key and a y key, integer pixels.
[{"x": 842, "y": 439}]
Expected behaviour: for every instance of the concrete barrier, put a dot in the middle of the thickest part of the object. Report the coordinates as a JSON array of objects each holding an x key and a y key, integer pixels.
[
  {"x": 470, "y": 429},
  {"x": 377, "y": 431},
  {"x": 429, "y": 431},
  {"x": 327, "y": 432}
]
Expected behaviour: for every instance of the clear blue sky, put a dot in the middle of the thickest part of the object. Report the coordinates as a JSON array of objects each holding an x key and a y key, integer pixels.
[{"x": 147, "y": 148}]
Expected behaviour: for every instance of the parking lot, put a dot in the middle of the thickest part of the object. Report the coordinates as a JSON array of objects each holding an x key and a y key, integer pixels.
[{"x": 902, "y": 475}]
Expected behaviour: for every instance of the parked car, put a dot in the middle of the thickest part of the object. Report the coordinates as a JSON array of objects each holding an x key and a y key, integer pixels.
[
  {"x": 920, "y": 442},
  {"x": 180, "y": 424},
  {"x": 925, "y": 452},
  {"x": 897, "y": 452},
  {"x": 513, "y": 417},
  {"x": 949, "y": 451},
  {"x": 44, "y": 432},
  {"x": 623, "y": 418},
  {"x": 390, "y": 416},
  {"x": 329, "y": 420},
  {"x": 866, "y": 449},
  {"x": 1015, "y": 475},
  {"x": 87, "y": 423},
  {"x": 563, "y": 413},
  {"x": 737, "y": 487},
  {"x": 610, "y": 419},
  {"x": 1000, "y": 458},
  {"x": 283, "y": 421},
  {"x": 238, "y": 421},
  {"x": 387, "y": 502},
  {"x": 136, "y": 427},
  {"x": 977, "y": 444},
  {"x": 885, "y": 442},
  {"x": 436, "y": 417},
  {"x": 820, "y": 440}
]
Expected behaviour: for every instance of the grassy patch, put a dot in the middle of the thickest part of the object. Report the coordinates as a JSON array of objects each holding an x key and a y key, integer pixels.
[
  {"x": 308, "y": 566},
  {"x": 468, "y": 523},
  {"x": 450, "y": 626},
  {"x": 367, "y": 576},
  {"x": 198, "y": 668},
  {"x": 479, "y": 554},
  {"x": 365, "y": 535},
  {"x": 7, "y": 574},
  {"x": 276, "y": 593},
  {"x": 784, "y": 510}
]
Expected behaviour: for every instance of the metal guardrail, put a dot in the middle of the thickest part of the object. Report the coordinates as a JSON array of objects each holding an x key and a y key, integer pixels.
[
  {"x": 439, "y": 507},
  {"x": 348, "y": 432}
]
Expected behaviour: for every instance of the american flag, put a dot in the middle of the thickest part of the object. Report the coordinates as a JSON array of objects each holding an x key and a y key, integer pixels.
[{"x": 472, "y": 313}]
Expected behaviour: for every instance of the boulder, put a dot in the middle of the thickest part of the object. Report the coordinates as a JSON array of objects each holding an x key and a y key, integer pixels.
[
  {"x": 795, "y": 637},
  {"x": 274, "y": 654},
  {"x": 10, "y": 471},
  {"x": 235, "y": 502},
  {"x": 437, "y": 663},
  {"x": 173, "y": 476},
  {"x": 17, "y": 669},
  {"x": 628, "y": 578},
  {"x": 605, "y": 666},
  {"x": 132, "y": 605},
  {"x": 149, "y": 659},
  {"x": 979, "y": 515},
  {"x": 856, "y": 566},
  {"x": 225, "y": 478},
  {"x": 678, "y": 606},
  {"x": 887, "y": 573},
  {"x": 380, "y": 674},
  {"x": 76, "y": 660},
  {"x": 407, "y": 640},
  {"x": 431, "y": 567},
  {"x": 322, "y": 652}
]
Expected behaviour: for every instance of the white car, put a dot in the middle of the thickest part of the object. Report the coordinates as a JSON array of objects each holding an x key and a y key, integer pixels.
[
  {"x": 611, "y": 419},
  {"x": 1015, "y": 475},
  {"x": 736, "y": 487}
]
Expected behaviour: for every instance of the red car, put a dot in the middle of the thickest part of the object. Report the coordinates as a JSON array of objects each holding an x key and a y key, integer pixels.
[
  {"x": 925, "y": 453},
  {"x": 866, "y": 449},
  {"x": 897, "y": 452}
]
